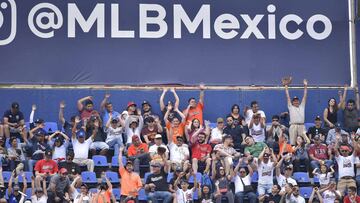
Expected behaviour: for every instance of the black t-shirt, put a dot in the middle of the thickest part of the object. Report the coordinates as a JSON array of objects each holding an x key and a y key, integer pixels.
[
  {"x": 14, "y": 118},
  {"x": 71, "y": 167},
  {"x": 315, "y": 131},
  {"x": 100, "y": 135},
  {"x": 236, "y": 134},
  {"x": 159, "y": 180},
  {"x": 272, "y": 198},
  {"x": 36, "y": 145}
]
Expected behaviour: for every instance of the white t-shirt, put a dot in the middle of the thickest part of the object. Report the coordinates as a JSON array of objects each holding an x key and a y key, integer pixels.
[
  {"x": 299, "y": 199},
  {"x": 282, "y": 180},
  {"x": 43, "y": 199},
  {"x": 329, "y": 196},
  {"x": 324, "y": 179},
  {"x": 216, "y": 134},
  {"x": 257, "y": 132},
  {"x": 153, "y": 149},
  {"x": 178, "y": 153},
  {"x": 239, "y": 187},
  {"x": 112, "y": 133},
  {"x": 249, "y": 114},
  {"x": 297, "y": 114},
  {"x": 81, "y": 150},
  {"x": 346, "y": 165},
  {"x": 265, "y": 171},
  {"x": 184, "y": 196},
  {"x": 60, "y": 152}
]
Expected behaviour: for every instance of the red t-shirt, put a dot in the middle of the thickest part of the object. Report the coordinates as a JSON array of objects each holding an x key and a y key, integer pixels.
[
  {"x": 44, "y": 166},
  {"x": 319, "y": 152},
  {"x": 347, "y": 199},
  {"x": 199, "y": 151},
  {"x": 196, "y": 112}
]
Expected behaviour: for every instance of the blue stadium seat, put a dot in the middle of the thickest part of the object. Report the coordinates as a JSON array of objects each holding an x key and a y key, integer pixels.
[
  {"x": 305, "y": 192},
  {"x": 255, "y": 177},
  {"x": 51, "y": 127},
  {"x": 316, "y": 180},
  {"x": 112, "y": 176},
  {"x": 88, "y": 177},
  {"x": 28, "y": 176},
  {"x": 117, "y": 193},
  {"x": 142, "y": 195},
  {"x": 93, "y": 190},
  {"x": 198, "y": 178},
  {"x": 115, "y": 162},
  {"x": 7, "y": 143},
  {"x": 169, "y": 177},
  {"x": 146, "y": 175},
  {"x": 212, "y": 125},
  {"x": 6, "y": 176},
  {"x": 28, "y": 193},
  {"x": 308, "y": 125},
  {"x": 100, "y": 160},
  {"x": 196, "y": 195},
  {"x": 302, "y": 178}
]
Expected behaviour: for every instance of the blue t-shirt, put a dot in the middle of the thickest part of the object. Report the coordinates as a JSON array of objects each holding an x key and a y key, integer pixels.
[
  {"x": 14, "y": 199},
  {"x": 106, "y": 116}
]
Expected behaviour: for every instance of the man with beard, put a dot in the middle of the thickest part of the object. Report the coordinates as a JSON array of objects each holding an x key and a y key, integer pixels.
[
  {"x": 71, "y": 167},
  {"x": 201, "y": 154},
  {"x": 235, "y": 131},
  {"x": 130, "y": 181},
  {"x": 107, "y": 109},
  {"x": 273, "y": 197},
  {"x": 59, "y": 185},
  {"x": 13, "y": 121},
  {"x": 351, "y": 112},
  {"x": 195, "y": 110}
]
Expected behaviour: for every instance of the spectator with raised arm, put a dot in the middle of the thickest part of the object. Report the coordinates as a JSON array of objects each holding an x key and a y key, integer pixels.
[
  {"x": 330, "y": 112},
  {"x": 14, "y": 192},
  {"x": 257, "y": 128},
  {"x": 184, "y": 194},
  {"x": 156, "y": 185},
  {"x": 274, "y": 131},
  {"x": 36, "y": 145},
  {"x": 194, "y": 128},
  {"x": 351, "y": 111},
  {"x": 301, "y": 156},
  {"x": 82, "y": 146},
  {"x": 59, "y": 142},
  {"x": 13, "y": 121},
  {"x": 85, "y": 107},
  {"x": 133, "y": 126},
  {"x": 114, "y": 132},
  {"x": 67, "y": 126},
  {"x": 352, "y": 197},
  {"x": 282, "y": 180},
  {"x": 172, "y": 106},
  {"x": 151, "y": 128},
  {"x": 242, "y": 182},
  {"x": 315, "y": 196},
  {"x": 107, "y": 109},
  {"x": 176, "y": 126},
  {"x": 255, "y": 109},
  {"x": 130, "y": 181},
  {"x": 266, "y": 164},
  {"x": 94, "y": 129},
  {"x": 329, "y": 193},
  {"x": 195, "y": 109},
  {"x": 296, "y": 111},
  {"x": 38, "y": 195}
]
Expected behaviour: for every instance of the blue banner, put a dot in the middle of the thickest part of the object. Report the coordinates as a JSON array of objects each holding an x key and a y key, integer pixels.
[{"x": 136, "y": 42}]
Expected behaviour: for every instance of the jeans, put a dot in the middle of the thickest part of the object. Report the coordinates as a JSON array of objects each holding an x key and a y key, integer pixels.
[
  {"x": 315, "y": 164},
  {"x": 164, "y": 195},
  {"x": 140, "y": 159},
  {"x": 31, "y": 164},
  {"x": 114, "y": 140},
  {"x": 264, "y": 188},
  {"x": 229, "y": 195},
  {"x": 250, "y": 195},
  {"x": 358, "y": 183}
]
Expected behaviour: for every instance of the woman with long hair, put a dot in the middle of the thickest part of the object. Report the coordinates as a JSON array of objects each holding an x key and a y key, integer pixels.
[{"x": 330, "y": 112}]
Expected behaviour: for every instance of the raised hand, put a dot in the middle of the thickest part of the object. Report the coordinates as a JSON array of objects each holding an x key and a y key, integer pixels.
[
  {"x": 33, "y": 107},
  {"x": 305, "y": 82},
  {"x": 107, "y": 95},
  {"x": 62, "y": 104},
  {"x": 201, "y": 86}
]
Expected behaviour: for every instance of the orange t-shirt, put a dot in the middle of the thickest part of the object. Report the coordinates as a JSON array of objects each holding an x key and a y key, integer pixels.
[
  {"x": 196, "y": 112},
  {"x": 106, "y": 195},
  {"x": 133, "y": 150},
  {"x": 129, "y": 182},
  {"x": 177, "y": 131},
  {"x": 284, "y": 147}
]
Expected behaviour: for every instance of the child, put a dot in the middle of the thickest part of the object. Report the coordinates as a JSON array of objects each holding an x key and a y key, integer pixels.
[
  {"x": 114, "y": 132},
  {"x": 184, "y": 195},
  {"x": 59, "y": 144},
  {"x": 323, "y": 175},
  {"x": 205, "y": 195}
]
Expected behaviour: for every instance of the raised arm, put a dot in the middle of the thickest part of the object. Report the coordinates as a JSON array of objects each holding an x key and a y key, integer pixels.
[
  {"x": 121, "y": 149},
  {"x": 24, "y": 183},
  {"x": 61, "y": 112},
  {"x": 286, "y": 82},
  {"x": 10, "y": 183},
  {"x": 108, "y": 183},
  {"x": 181, "y": 115},
  {"x": 104, "y": 101},
  {"x": 343, "y": 97},
  {"x": 177, "y": 100},
  {"x": 80, "y": 105},
  {"x": 278, "y": 165},
  {"x": 356, "y": 89},
  {"x": 162, "y": 105},
  {"x": 33, "y": 109},
  {"x": 73, "y": 131},
  {"x": 202, "y": 93},
  {"x": 305, "y": 91}
]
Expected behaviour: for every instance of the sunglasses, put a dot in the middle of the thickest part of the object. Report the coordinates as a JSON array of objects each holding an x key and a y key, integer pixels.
[
  {"x": 275, "y": 120},
  {"x": 342, "y": 151},
  {"x": 242, "y": 171}
]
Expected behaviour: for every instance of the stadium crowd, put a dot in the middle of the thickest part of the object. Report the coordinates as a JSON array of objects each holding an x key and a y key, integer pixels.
[{"x": 179, "y": 156}]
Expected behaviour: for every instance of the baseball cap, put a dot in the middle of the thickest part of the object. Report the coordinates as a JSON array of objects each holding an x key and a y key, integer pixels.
[
  {"x": 15, "y": 105},
  {"x": 16, "y": 187},
  {"x": 93, "y": 118},
  {"x": 178, "y": 169},
  {"x": 295, "y": 98},
  {"x": 290, "y": 166},
  {"x": 145, "y": 102},
  {"x": 158, "y": 136},
  {"x": 80, "y": 133},
  {"x": 345, "y": 148},
  {"x": 40, "y": 132},
  {"x": 129, "y": 162},
  {"x": 39, "y": 120},
  {"x": 338, "y": 126},
  {"x": 156, "y": 164},
  {"x": 134, "y": 138},
  {"x": 114, "y": 120},
  {"x": 48, "y": 152},
  {"x": 133, "y": 120},
  {"x": 63, "y": 171},
  {"x": 316, "y": 137},
  {"x": 131, "y": 103},
  {"x": 38, "y": 190},
  {"x": 318, "y": 118},
  {"x": 221, "y": 168},
  {"x": 266, "y": 155},
  {"x": 219, "y": 120}
]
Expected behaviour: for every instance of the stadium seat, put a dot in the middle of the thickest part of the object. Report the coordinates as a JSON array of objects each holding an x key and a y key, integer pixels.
[
  {"x": 142, "y": 195},
  {"x": 28, "y": 193},
  {"x": 115, "y": 162},
  {"x": 51, "y": 127},
  {"x": 305, "y": 192},
  {"x": 198, "y": 178},
  {"x": 255, "y": 177},
  {"x": 100, "y": 161},
  {"x": 196, "y": 195},
  {"x": 88, "y": 177},
  {"x": 116, "y": 192},
  {"x": 212, "y": 125},
  {"x": 7, "y": 143},
  {"x": 308, "y": 125},
  {"x": 6, "y": 176},
  {"x": 302, "y": 178},
  {"x": 113, "y": 177},
  {"x": 146, "y": 175},
  {"x": 316, "y": 180},
  {"x": 28, "y": 176},
  {"x": 169, "y": 177},
  {"x": 93, "y": 190}
]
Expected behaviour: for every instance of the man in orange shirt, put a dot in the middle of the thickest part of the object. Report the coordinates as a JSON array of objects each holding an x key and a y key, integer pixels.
[
  {"x": 138, "y": 152},
  {"x": 130, "y": 181},
  {"x": 195, "y": 110}
]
